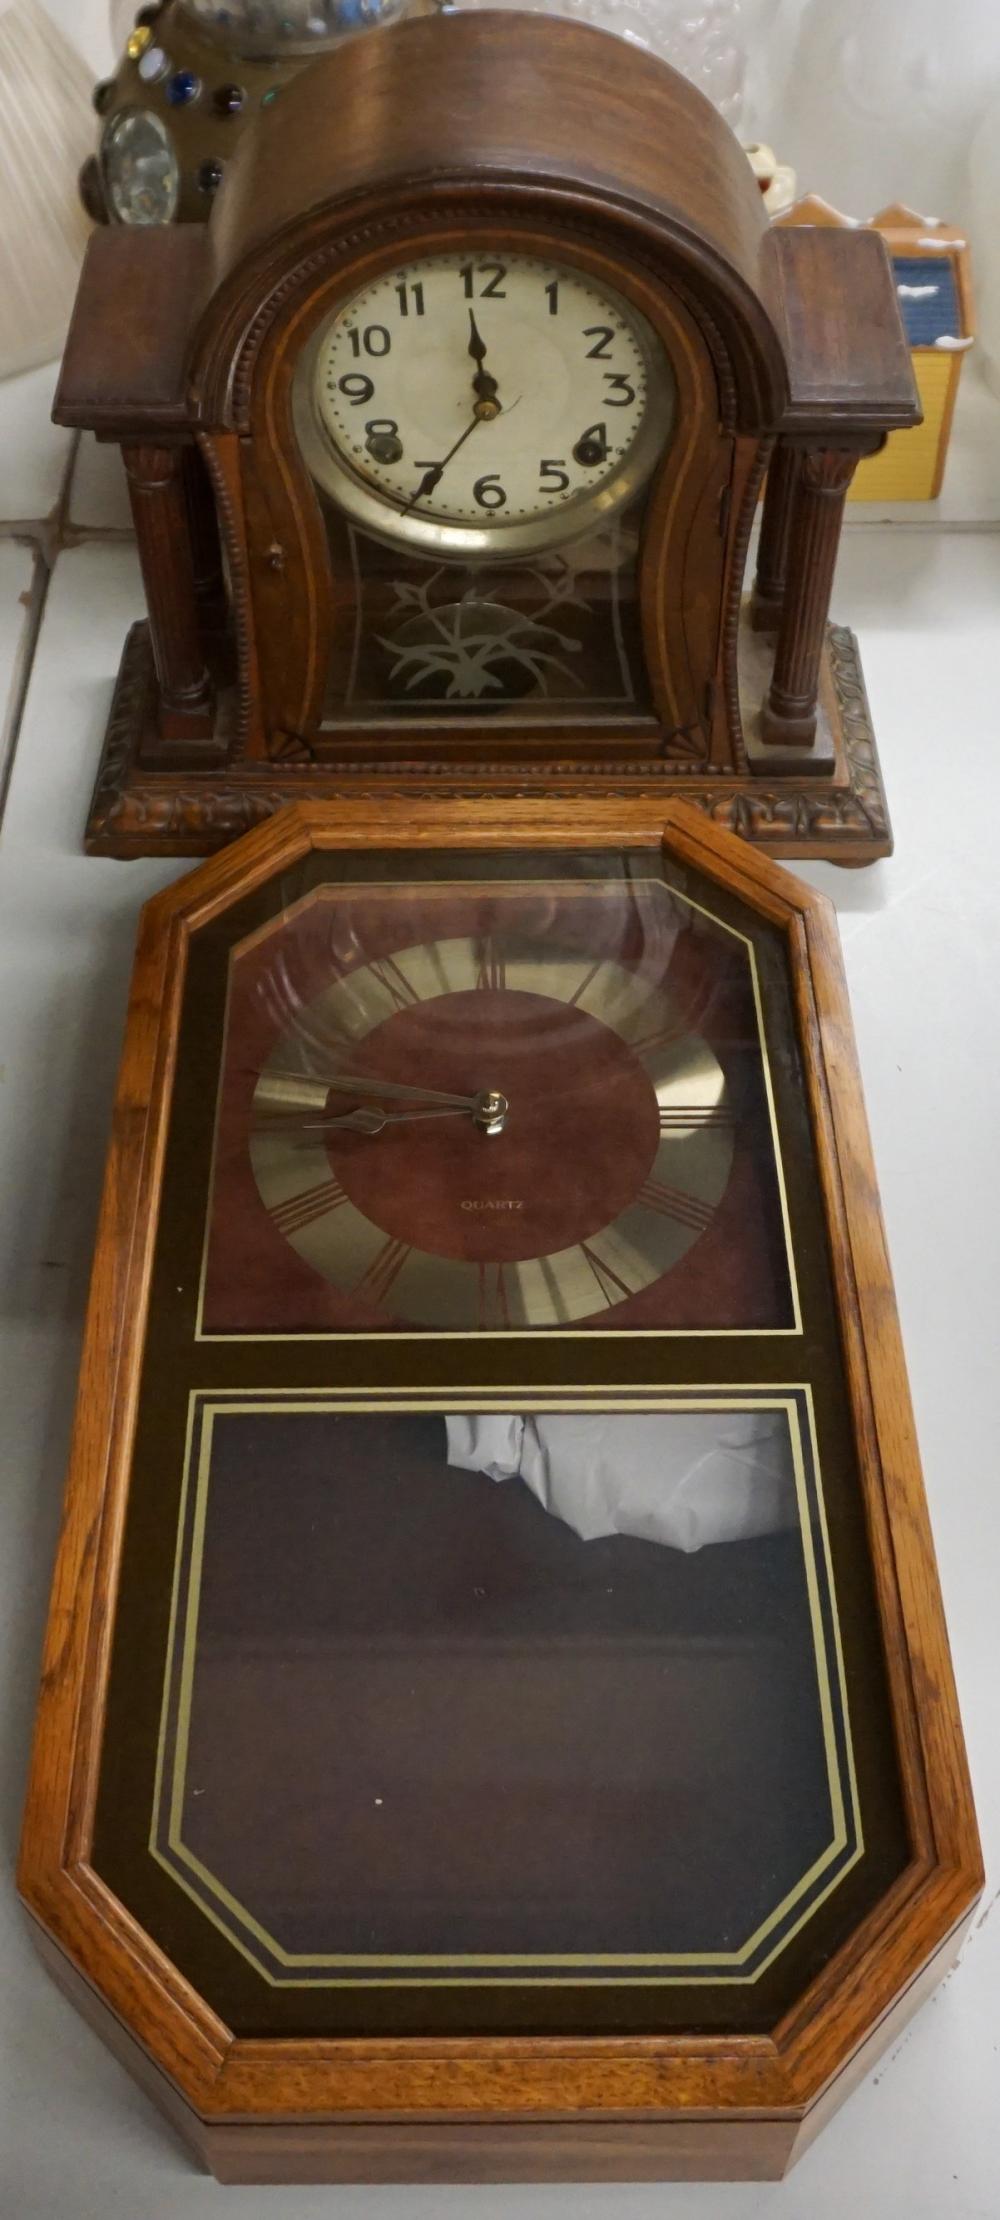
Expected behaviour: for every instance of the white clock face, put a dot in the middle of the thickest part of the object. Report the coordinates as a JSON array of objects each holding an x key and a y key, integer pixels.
[{"x": 485, "y": 403}]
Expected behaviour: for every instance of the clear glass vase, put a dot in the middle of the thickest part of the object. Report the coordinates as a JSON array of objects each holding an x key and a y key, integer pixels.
[{"x": 701, "y": 38}]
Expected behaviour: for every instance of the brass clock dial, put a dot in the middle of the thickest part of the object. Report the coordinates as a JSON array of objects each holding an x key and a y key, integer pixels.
[
  {"x": 491, "y": 1133},
  {"x": 483, "y": 403}
]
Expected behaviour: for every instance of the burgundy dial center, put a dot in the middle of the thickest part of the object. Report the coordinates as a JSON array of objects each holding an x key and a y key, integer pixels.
[{"x": 578, "y": 1141}]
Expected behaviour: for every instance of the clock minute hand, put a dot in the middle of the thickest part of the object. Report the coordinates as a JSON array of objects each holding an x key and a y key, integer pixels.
[
  {"x": 348, "y": 1083},
  {"x": 433, "y": 476},
  {"x": 486, "y": 408}
]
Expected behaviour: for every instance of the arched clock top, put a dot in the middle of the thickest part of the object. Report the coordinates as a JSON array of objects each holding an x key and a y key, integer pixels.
[{"x": 512, "y": 115}]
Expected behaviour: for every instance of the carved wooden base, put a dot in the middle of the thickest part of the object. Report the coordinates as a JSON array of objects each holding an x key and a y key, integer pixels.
[{"x": 837, "y": 813}]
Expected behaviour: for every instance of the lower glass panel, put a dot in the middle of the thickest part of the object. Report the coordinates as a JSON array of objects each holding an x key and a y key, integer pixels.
[
  {"x": 554, "y": 636},
  {"x": 540, "y": 1705}
]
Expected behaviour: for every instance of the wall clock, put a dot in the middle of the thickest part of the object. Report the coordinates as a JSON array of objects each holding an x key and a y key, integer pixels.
[
  {"x": 445, "y": 436},
  {"x": 504, "y": 1725}
]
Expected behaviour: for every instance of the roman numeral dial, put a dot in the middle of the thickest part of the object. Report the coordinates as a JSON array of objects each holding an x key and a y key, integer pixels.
[{"x": 608, "y": 1165}]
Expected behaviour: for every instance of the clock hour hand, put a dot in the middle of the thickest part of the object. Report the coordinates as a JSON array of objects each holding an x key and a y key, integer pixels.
[
  {"x": 482, "y": 384},
  {"x": 477, "y": 344},
  {"x": 360, "y": 1121}
]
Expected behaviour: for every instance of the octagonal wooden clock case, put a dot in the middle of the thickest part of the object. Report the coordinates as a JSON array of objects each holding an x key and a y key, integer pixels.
[
  {"x": 445, "y": 436},
  {"x": 496, "y": 1718}
]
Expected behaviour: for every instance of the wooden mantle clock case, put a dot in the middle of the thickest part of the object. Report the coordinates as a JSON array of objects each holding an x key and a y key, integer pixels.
[
  {"x": 496, "y": 1718},
  {"x": 340, "y": 601}
]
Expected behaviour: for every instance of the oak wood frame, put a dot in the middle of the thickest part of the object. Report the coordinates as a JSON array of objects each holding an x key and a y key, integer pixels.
[
  {"x": 552, "y": 133},
  {"x": 498, "y": 2108}
]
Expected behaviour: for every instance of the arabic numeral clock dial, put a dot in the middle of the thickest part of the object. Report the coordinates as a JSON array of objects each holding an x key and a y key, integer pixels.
[{"x": 486, "y": 404}]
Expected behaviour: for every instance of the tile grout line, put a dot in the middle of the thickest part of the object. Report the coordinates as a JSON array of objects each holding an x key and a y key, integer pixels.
[
  {"x": 45, "y": 540},
  {"x": 34, "y": 604}
]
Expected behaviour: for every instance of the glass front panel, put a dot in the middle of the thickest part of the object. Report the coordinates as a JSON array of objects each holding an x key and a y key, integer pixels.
[
  {"x": 631, "y": 1176},
  {"x": 554, "y": 637},
  {"x": 498, "y": 1655}
]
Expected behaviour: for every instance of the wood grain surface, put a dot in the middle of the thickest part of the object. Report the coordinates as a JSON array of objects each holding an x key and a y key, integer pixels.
[{"x": 515, "y": 2107}]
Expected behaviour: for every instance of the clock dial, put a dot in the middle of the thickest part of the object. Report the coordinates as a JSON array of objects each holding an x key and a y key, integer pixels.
[
  {"x": 486, "y": 402},
  {"x": 606, "y": 1161},
  {"x": 495, "y": 1106}
]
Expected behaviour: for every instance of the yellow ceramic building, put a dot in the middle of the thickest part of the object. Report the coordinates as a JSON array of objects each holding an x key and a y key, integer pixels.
[{"x": 933, "y": 280}]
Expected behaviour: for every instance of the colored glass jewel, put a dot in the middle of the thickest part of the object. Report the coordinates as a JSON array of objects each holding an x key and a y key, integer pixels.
[
  {"x": 227, "y": 100},
  {"x": 267, "y": 97},
  {"x": 140, "y": 168},
  {"x": 138, "y": 41},
  {"x": 102, "y": 94},
  {"x": 184, "y": 87},
  {"x": 153, "y": 64},
  {"x": 209, "y": 176}
]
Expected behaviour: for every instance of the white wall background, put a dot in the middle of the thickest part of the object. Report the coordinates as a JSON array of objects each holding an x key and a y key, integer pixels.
[{"x": 874, "y": 100}]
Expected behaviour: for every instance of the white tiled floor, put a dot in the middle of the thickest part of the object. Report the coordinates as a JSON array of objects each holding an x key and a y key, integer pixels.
[
  {"x": 22, "y": 583},
  {"x": 98, "y": 495},
  {"x": 920, "y": 933}
]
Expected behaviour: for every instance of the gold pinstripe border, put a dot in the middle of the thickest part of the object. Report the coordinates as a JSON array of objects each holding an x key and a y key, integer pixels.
[{"x": 469, "y": 1969}]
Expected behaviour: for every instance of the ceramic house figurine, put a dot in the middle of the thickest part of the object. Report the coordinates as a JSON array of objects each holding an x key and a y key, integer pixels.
[{"x": 777, "y": 180}]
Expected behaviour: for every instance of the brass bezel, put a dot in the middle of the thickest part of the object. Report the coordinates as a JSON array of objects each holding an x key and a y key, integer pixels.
[{"x": 376, "y": 512}]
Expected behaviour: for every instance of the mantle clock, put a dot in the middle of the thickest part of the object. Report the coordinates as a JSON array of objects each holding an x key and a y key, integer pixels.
[{"x": 445, "y": 436}]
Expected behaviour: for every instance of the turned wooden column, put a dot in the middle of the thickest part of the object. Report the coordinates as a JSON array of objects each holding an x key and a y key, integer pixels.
[
  {"x": 206, "y": 551},
  {"x": 156, "y": 484},
  {"x": 772, "y": 553},
  {"x": 817, "y": 513}
]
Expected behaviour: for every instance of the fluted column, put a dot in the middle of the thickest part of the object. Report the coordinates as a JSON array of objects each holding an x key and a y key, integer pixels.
[
  {"x": 206, "y": 552},
  {"x": 817, "y": 511},
  {"x": 156, "y": 486},
  {"x": 772, "y": 553}
]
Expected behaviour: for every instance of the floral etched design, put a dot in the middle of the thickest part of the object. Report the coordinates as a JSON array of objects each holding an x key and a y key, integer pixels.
[{"x": 479, "y": 645}]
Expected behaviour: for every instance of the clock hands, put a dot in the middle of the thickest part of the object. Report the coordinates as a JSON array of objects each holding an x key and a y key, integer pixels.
[
  {"x": 477, "y": 344},
  {"x": 360, "y": 1121},
  {"x": 482, "y": 384},
  {"x": 488, "y": 1109},
  {"x": 487, "y": 406},
  {"x": 352, "y": 1083},
  {"x": 435, "y": 472}
]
